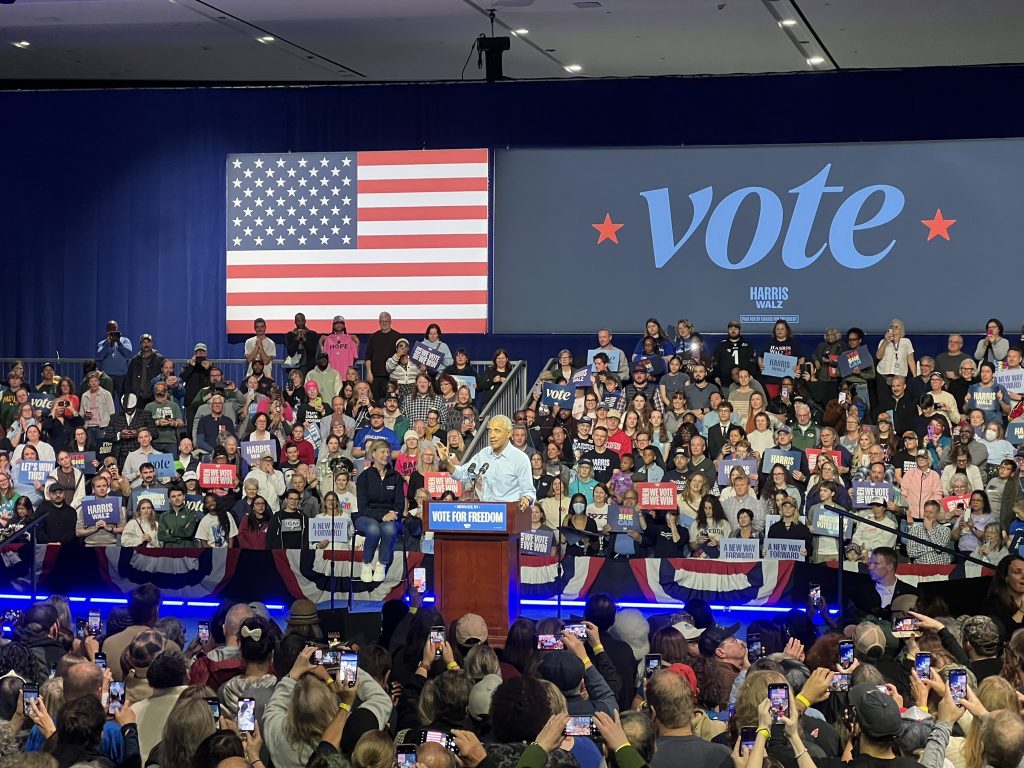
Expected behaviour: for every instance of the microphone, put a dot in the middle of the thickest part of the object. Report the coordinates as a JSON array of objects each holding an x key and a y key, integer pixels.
[
  {"x": 484, "y": 468},
  {"x": 471, "y": 470}
]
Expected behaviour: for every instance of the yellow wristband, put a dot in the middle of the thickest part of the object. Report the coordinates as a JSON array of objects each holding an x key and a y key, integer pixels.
[
  {"x": 624, "y": 744},
  {"x": 923, "y": 707},
  {"x": 765, "y": 732},
  {"x": 598, "y": 649},
  {"x": 803, "y": 700},
  {"x": 346, "y": 707},
  {"x": 413, "y": 609},
  {"x": 452, "y": 665},
  {"x": 587, "y": 664},
  {"x": 330, "y": 681}
]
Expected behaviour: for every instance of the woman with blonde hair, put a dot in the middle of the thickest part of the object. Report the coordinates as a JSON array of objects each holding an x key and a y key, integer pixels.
[
  {"x": 966, "y": 751},
  {"x": 189, "y": 722},
  {"x": 375, "y": 749},
  {"x": 689, "y": 502},
  {"x": 299, "y": 711},
  {"x": 860, "y": 452}
]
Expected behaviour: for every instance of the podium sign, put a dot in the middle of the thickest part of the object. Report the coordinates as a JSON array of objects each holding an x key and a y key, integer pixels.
[{"x": 468, "y": 517}]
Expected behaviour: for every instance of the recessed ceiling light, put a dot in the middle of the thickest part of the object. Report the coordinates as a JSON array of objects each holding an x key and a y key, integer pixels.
[
  {"x": 815, "y": 61},
  {"x": 265, "y": 39},
  {"x": 521, "y": 31},
  {"x": 573, "y": 68},
  {"x": 787, "y": 23},
  {"x": 22, "y": 44}
]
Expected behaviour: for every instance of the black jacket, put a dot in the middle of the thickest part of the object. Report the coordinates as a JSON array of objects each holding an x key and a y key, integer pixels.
[
  {"x": 141, "y": 371},
  {"x": 287, "y": 530},
  {"x": 294, "y": 344},
  {"x": 376, "y": 495},
  {"x": 59, "y": 525},
  {"x": 733, "y": 352}
]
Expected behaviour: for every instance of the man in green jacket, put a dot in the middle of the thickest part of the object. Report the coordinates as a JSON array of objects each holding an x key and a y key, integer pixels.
[{"x": 177, "y": 526}]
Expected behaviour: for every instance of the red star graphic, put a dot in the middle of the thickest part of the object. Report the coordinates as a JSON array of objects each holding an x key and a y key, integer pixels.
[
  {"x": 938, "y": 226},
  {"x": 608, "y": 230}
]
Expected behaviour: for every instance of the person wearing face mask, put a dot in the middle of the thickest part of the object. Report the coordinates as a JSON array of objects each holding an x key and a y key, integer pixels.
[
  {"x": 579, "y": 520},
  {"x": 998, "y": 448},
  {"x": 326, "y": 378},
  {"x": 123, "y": 429}
]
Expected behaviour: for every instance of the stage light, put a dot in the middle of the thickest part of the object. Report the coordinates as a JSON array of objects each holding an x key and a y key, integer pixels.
[
  {"x": 787, "y": 23},
  {"x": 574, "y": 68},
  {"x": 265, "y": 39},
  {"x": 521, "y": 31},
  {"x": 549, "y": 603},
  {"x": 22, "y": 44},
  {"x": 490, "y": 50},
  {"x": 816, "y": 60}
]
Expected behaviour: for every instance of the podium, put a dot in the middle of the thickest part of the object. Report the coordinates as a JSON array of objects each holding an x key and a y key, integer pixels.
[{"x": 476, "y": 561}]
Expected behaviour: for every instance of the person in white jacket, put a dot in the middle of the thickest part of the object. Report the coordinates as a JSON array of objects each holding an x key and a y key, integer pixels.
[
  {"x": 141, "y": 530},
  {"x": 65, "y": 475},
  {"x": 271, "y": 481}
]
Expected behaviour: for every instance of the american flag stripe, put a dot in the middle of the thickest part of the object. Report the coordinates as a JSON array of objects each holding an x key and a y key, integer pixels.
[{"x": 356, "y": 233}]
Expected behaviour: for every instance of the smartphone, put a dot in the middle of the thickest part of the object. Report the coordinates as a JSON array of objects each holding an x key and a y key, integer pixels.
[
  {"x": 333, "y": 639},
  {"x": 419, "y": 579},
  {"x": 958, "y": 684},
  {"x": 348, "y": 669},
  {"x": 327, "y": 658},
  {"x": 550, "y": 643},
  {"x": 446, "y": 740},
  {"x": 247, "y": 715},
  {"x": 840, "y": 682},
  {"x": 437, "y": 639},
  {"x": 81, "y": 628},
  {"x": 406, "y": 755},
  {"x": 783, "y": 392},
  {"x": 31, "y": 692},
  {"x": 204, "y": 631},
  {"x": 931, "y": 432},
  {"x": 846, "y": 654},
  {"x": 842, "y": 398},
  {"x": 778, "y": 698},
  {"x": 577, "y": 629},
  {"x": 748, "y": 735},
  {"x": 754, "y": 649},
  {"x": 905, "y": 625},
  {"x": 214, "y": 704},
  {"x": 652, "y": 663},
  {"x": 580, "y": 725},
  {"x": 115, "y": 699},
  {"x": 809, "y": 368},
  {"x": 101, "y": 660},
  {"x": 814, "y": 594},
  {"x": 923, "y": 665},
  {"x": 95, "y": 624}
]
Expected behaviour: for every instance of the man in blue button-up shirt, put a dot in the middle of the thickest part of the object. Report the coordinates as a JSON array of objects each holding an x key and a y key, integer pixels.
[{"x": 508, "y": 475}]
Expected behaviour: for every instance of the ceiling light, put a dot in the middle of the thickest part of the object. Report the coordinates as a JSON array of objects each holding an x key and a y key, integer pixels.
[
  {"x": 573, "y": 68},
  {"x": 22, "y": 44},
  {"x": 816, "y": 60},
  {"x": 265, "y": 39},
  {"x": 521, "y": 31},
  {"x": 787, "y": 23}
]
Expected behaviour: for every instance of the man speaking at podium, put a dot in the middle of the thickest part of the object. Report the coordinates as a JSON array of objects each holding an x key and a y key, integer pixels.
[{"x": 503, "y": 470}]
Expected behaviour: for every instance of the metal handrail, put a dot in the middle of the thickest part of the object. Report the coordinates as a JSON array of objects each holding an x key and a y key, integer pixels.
[{"x": 505, "y": 402}]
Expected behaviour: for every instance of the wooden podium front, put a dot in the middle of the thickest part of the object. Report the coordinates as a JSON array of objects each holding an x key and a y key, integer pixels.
[{"x": 476, "y": 561}]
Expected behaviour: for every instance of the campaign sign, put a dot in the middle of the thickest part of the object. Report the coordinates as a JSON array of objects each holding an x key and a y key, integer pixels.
[
  {"x": 824, "y": 522},
  {"x": 789, "y": 459},
  {"x": 813, "y": 454},
  {"x": 783, "y": 549},
  {"x": 163, "y": 463},
  {"x": 613, "y": 358},
  {"x": 334, "y": 529},
  {"x": 1015, "y": 432},
  {"x": 726, "y": 465},
  {"x": 41, "y": 401},
  {"x": 217, "y": 475},
  {"x": 83, "y": 462},
  {"x": 779, "y": 365},
  {"x": 741, "y": 549},
  {"x": 584, "y": 377},
  {"x": 466, "y": 381},
  {"x": 437, "y": 483},
  {"x": 561, "y": 395},
  {"x": 656, "y": 495},
  {"x": 1012, "y": 379},
  {"x": 536, "y": 542},
  {"x": 428, "y": 357},
  {"x": 863, "y": 493},
  {"x": 252, "y": 450},
  {"x": 30, "y": 472},
  {"x": 108, "y": 508},
  {"x": 956, "y": 505},
  {"x": 854, "y": 358},
  {"x": 465, "y": 516},
  {"x": 157, "y": 496},
  {"x": 623, "y": 519},
  {"x": 194, "y": 504}
]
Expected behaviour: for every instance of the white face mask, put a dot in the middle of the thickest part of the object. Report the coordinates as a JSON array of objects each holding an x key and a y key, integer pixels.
[
  {"x": 579, "y": 508},
  {"x": 991, "y": 434}
]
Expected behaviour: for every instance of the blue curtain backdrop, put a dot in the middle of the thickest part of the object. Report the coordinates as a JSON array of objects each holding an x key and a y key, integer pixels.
[{"x": 112, "y": 202}]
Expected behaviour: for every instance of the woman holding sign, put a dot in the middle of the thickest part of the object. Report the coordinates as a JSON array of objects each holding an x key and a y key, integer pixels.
[
  {"x": 708, "y": 529},
  {"x": 782, "y": 343}
]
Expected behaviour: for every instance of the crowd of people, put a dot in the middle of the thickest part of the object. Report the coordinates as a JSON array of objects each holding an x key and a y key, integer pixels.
[{"x": 608, "y": 687}]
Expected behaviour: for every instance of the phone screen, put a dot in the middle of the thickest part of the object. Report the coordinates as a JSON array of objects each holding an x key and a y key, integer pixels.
[
  {"x": 550, "y": 643},
  {"x": 845, "y": 654},
  {"x": 348, "y": 669},
  {"x": 778, "y": 697},
  {"x": 247, "y": 715},
  {"x": 116, "y": 698},
  {"x": 327, "y": 658},
  {"x": 446, "y": 740},
  {"x": 577, "y": 629},
  {"x": 748, "y": 735},
  {"x": 652, "y": 662},
  {"x": 333, "y": 639},
  {"x": 406, "y": 755},
  {"x": 101, "y": 660},
  {"x": 905, "y": 624},
  {"x": 204, "y": 631},
  {"x": 31, "y": 692},
  {"x": 94, "y": 622},
  {"x": 81, "y": 628},
  {"x": 923, "y": 665},
  {"x": 754, "y": 648},
  {"x": 437, "y": 639},
  {"x": 419, "y": 579},
  {"x": 958, "y": 684},
  {"x": 840, "y": 682},
  {"x": 581, "y": 725},
  {"x": 215, "y": 710},
  {"x": 814, "y": 593}
]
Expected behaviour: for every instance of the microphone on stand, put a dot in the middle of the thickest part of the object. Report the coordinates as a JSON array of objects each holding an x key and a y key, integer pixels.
[{"x": 484, "y": 469}]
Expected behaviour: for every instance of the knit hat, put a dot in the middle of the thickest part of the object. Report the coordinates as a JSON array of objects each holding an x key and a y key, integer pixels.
[
  {"x": 563, "y": 668},
  {"x": 481, "y": 695},
  {"x": 410, "y": 433},
  {"x": 303, "y": 613},
  {"x": 470, "y": 629},
  {"x": 144, "y": 648}
]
